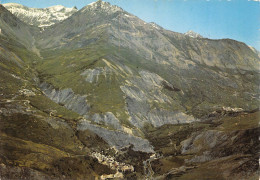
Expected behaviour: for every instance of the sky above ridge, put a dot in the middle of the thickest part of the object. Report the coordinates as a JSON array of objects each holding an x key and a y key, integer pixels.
[{"x": 215, "y": 19}]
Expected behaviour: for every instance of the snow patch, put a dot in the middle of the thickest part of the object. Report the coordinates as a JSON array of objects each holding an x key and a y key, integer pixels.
[
  {"x": 91, "y": 4},
  {"x": 126, "y": 15},
  {"x": 193, "y": 34},
  {"x": 41, "y": 17}
]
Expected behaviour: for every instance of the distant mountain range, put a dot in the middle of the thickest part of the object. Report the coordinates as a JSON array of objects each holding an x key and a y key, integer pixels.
[
  {"x": 40, "y": 17},
  {"x": 98, "y": 85}
]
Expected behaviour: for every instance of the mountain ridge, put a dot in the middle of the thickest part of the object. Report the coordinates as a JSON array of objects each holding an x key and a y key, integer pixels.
[
  {"x": 105, "y": 91},
  {"x": 41, "y": 17},
  {"x": 114, "y": 33},
  {"x": 193, "y": 34}
]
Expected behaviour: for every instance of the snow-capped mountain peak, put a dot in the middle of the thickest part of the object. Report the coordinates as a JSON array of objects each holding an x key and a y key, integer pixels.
[
  {"x": 56, "y": 8},
  {"x": 102, "y": 5},
  {"x": 41, "y": 17},
  {"x": 13, "y": 5},
  {"x": 193, "y": 34}
]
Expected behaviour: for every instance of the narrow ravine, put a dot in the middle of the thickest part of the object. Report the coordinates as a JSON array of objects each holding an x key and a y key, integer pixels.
[
  {"x": 148, "y": 170},
  {"x": 35, "y": 49}
]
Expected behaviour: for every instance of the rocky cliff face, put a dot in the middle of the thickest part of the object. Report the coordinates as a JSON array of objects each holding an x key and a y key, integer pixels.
[{"x": 105, "y": 82}]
